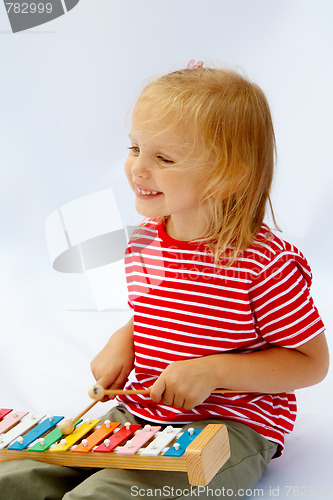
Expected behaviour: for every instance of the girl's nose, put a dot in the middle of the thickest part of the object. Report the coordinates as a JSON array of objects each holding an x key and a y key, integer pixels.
[{"x": 140, "y": 168}]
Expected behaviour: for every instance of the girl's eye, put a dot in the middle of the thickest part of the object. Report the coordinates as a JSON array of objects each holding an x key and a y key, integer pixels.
[
  {"x": 165, "y": 160},
  {"x": 134, "y": 150}
]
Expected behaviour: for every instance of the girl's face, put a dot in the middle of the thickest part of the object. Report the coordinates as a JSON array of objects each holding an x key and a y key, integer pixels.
[{"x": 160, "y": 189}]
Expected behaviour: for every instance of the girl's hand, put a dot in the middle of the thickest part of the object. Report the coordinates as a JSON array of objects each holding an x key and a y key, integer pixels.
[
  {"x": 113, "y": 364},
  {"x": 184, "y": 384}
]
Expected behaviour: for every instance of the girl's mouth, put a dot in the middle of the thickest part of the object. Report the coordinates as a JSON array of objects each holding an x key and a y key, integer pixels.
[{"x": 145, "y": 193}]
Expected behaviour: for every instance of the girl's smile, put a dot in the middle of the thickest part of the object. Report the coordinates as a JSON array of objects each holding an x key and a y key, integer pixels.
[{"x": 143, "y": 192}]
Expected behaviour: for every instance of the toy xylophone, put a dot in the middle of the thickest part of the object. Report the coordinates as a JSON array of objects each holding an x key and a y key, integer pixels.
[{"x": 199, "y": 452}]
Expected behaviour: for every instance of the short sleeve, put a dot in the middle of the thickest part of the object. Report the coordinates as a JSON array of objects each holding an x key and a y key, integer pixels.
[
  {"x": 283, "y": 309},
  {"x": 139, "y": 248}
]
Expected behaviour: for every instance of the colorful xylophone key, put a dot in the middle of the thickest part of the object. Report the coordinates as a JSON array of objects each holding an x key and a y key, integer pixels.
[
  {"x": 30, "y": 420},
  {"x": 4, "y": 412},
  {"x": 97, "y": 437},
  {"x": 51, "y": 438},
  {"x": 38, "y": 431},
  {"x": 141, "y": 438},
  {"x": 179, "y": 447}
]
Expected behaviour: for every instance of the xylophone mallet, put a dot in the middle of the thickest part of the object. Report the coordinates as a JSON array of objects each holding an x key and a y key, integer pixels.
[
  {"x": 97, "y": 392},
  {"x": 66, "y": 426}
]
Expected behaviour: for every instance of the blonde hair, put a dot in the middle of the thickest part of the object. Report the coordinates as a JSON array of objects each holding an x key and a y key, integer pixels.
[{"x": 230, "y": 121}]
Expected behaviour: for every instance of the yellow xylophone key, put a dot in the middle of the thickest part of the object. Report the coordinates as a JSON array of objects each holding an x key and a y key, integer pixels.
[
  {"x": 97, "y": 437},
  {"x": 73, "y": 438}
]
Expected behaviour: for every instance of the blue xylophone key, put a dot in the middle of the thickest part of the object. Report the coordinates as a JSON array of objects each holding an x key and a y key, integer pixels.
[
  {"x": 35, "y": 433},
  {"x": 179, "y": 447}
]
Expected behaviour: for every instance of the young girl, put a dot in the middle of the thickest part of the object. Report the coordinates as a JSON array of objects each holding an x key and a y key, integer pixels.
[{"x": 219, "y": 301}]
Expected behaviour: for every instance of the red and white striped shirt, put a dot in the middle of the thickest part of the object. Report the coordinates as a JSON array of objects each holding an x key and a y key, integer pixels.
[{"x": 185, "y": 307}]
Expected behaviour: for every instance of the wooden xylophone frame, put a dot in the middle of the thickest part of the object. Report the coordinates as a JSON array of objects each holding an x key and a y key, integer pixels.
[{"x": 202, "y": 459}]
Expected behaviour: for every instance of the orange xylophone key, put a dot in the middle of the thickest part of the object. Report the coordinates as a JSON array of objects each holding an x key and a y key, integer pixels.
[{"x": 96, "y": 437}]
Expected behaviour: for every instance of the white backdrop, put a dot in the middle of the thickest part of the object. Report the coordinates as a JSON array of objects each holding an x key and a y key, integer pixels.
[{"x": 67, "y": 88}]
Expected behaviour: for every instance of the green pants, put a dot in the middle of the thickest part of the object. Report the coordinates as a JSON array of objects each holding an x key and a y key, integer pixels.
[{"x": 32, "y": 480}]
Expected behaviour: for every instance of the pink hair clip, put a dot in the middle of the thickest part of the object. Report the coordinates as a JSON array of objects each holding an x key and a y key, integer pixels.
[{"x": 194, "y": 65}]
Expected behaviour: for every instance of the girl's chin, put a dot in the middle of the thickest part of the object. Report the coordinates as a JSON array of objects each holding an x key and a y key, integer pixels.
[{"x": 148, "y": 212}]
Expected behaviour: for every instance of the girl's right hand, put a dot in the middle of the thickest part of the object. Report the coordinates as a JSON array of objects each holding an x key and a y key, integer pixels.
[{"x": 113, "y": 364}]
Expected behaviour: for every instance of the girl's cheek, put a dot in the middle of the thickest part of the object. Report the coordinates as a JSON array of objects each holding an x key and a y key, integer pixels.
[{"x": 128, "y": 171}]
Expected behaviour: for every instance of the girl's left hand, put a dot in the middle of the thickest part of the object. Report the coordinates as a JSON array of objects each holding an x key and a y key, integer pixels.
[{"x": 184, "y": 384}]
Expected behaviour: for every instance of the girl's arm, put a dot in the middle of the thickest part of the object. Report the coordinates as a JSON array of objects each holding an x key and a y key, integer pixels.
[
  {"x": 276, "y": 369},
  {"x": 113, "y": 364},
  {"x": 186, "y": 384}
]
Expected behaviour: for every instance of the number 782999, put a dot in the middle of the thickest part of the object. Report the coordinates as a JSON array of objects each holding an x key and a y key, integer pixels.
[{"x": 29, "y": 8}]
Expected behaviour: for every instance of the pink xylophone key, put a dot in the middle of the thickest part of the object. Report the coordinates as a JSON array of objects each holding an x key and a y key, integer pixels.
[
  {"x": 141, "y": 438},
  {"x": 11, "y": 420}
]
